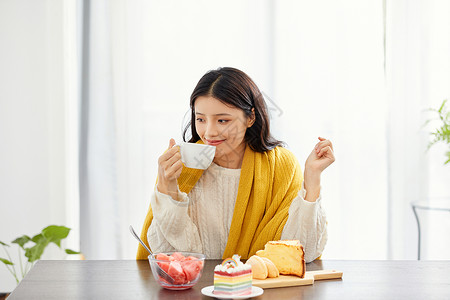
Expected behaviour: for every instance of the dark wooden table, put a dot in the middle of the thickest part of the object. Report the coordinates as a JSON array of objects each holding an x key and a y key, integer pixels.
[{"x": 129, "y": 279}]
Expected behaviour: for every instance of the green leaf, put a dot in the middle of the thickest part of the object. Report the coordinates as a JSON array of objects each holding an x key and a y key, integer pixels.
[
  {"x": 5, "y": 261},
  {"x": 442, "y": 106},
  {"x": 55, "y": 234},
  {"x": 38, "y": 238},
  {"x": 21, "y": 241},
  {"x": 4, "y": 244},
  {"x": 68, "y": 251},
  {"x": 34, "y": 253}
]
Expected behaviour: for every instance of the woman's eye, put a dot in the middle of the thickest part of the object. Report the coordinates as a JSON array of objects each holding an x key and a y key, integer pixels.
[
  {"x": 223, "y": 121},
  {"x": 199, "y": 120}
]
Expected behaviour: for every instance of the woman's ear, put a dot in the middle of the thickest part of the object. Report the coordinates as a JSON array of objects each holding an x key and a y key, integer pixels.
[{"x": 251, "y": 119}]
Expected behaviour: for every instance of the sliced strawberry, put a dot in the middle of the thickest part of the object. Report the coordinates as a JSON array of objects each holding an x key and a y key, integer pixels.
[
  {"x": 176, "y": 272},
  {"x": 164, "y": 266},
  {"x": 198, "y": 262},
  {"x": 162, "y": 256},
  {"x": 178, "y": 256},
  {"x": 191, "y": 269}
]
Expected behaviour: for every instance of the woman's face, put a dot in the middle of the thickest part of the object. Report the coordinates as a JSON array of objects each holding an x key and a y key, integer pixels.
[{"x": 222, "y": 126}]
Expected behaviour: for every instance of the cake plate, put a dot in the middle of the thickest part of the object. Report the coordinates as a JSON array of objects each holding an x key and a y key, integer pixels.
[{"x": 209, "y": 291}]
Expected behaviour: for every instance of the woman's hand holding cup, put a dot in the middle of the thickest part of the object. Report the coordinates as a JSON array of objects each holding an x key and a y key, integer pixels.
[{"x": 169, "y": 170}]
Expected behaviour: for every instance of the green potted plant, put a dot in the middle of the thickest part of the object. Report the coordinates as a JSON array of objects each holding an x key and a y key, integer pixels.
[
  {"x": 442, "y": 133},
  {"x": 32, "y": 249}
]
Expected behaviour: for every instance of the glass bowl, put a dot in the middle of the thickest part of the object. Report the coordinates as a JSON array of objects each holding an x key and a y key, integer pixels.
[{"x": 184, "y": 267}]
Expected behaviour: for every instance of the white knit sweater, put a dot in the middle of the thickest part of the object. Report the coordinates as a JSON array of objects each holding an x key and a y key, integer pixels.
[{"x": 200, "y": 221}]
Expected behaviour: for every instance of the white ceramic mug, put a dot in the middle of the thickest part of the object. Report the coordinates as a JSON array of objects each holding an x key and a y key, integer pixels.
[{"x": 196, "y": 156}]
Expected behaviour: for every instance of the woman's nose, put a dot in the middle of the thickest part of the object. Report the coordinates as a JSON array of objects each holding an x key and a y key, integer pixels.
[{"x": 211, "y": 130}]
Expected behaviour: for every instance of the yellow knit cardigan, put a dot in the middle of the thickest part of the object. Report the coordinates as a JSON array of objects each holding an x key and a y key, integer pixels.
[{"x": 268, "y": 183}]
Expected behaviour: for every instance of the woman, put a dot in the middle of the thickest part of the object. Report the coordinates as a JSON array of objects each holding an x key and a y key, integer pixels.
[{"x": 252, "y": 193}]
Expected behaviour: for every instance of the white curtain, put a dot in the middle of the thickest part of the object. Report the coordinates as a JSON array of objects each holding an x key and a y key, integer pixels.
[
  {"x": 418, "y": 78},
  {"x": 321, "y": 67},
  {"x": 98, "y": 155},
  {"x": 111, "y": 152}
]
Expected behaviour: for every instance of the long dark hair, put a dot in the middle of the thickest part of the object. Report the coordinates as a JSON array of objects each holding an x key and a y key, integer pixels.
[{"x": 233, "y": 87}]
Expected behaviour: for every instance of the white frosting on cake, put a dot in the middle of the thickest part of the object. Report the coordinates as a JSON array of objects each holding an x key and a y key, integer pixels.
[{"x": 240, "y": 266}]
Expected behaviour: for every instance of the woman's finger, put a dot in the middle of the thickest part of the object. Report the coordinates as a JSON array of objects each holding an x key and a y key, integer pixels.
[
  {"x": 171, "y": 143},
  {"x": 174, "y": 170},
  {"x": 175, "y": 157},
  {"x": 323, "y": 144},
  {"x": 180, "y": 169},
  {"x": 169, "y": 152},
  {"x": 326, "y": 151},
  {"x": 321, "y": 139}
]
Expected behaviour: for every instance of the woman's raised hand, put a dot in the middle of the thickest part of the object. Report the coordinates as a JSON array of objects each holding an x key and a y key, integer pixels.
[
  {"x": 169, "y": 169},
  {"x": 320, "y": 158}
]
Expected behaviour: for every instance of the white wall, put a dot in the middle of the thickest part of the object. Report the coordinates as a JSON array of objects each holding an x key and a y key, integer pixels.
[{"x": 32, "y": 122}]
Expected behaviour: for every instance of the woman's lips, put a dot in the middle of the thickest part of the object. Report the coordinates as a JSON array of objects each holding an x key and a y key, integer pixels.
[{"x": 214, "y": 142}]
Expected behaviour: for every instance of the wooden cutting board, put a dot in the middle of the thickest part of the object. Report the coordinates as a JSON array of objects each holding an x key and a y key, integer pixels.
[{"x": 285, "y": 280}]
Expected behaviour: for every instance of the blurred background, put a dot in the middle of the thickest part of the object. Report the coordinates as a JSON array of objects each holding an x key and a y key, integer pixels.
[{"x": 92, "y": 91}]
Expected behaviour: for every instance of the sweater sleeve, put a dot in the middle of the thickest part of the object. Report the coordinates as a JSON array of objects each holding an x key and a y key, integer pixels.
[
  {"x": 307, "y": 223},
  {"x": 172, "y": 228}
]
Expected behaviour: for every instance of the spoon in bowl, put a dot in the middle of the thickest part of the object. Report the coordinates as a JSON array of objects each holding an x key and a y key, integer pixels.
[{"x": 160, "y": 271}]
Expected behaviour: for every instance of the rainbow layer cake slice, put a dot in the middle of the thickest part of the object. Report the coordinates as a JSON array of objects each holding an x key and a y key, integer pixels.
[{"x": 233, "y": 278}]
